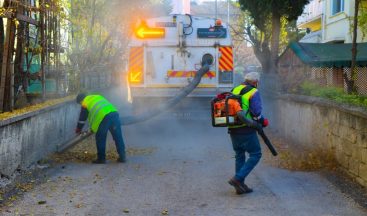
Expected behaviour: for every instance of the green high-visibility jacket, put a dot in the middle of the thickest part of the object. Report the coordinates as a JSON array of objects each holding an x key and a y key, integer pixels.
[
  {"x": 98, "y": 107},
  {"x": 245, "y": 98}
]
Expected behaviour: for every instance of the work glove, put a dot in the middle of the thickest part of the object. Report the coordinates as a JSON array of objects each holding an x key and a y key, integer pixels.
[
  {"x": 264, "y": 121},
  {"x": 78, "y": 131}
]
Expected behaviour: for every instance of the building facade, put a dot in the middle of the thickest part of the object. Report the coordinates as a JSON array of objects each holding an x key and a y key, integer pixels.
[{"x": 329, "y": 21}]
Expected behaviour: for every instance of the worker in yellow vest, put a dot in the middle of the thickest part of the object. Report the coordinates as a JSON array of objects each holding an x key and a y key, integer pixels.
[
  {"x": 244, "y": 138},
  {"x": 102, "y": 117}
]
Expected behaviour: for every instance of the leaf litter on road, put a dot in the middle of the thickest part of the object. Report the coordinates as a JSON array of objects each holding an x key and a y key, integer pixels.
[
  {"x": 298, "y": 158},
  {"x": 85, "y": 152},
  {"x": 165, "y": 211}
]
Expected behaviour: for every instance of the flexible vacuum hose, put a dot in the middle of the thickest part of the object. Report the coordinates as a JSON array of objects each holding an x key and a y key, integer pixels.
[
  {"x": 128, "y": 120},
  {"x": 170, "y": 102}
]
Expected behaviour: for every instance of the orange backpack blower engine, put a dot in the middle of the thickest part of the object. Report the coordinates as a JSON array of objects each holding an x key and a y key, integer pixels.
[
  {"x": 223, "y": 110},
  {"x": 224, "y": 115}
]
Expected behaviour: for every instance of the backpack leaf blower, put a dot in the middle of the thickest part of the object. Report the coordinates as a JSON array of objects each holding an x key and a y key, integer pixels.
[{"x": 224, "y": 115}]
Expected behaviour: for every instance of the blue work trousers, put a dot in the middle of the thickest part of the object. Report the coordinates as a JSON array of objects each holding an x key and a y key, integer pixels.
[
  {"x": 111, "y": 122},
  {"x": 243, "y": 143}
]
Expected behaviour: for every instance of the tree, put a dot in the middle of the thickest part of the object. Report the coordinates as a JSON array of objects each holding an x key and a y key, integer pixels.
[
  {"x": 242, "y": 50},
  {"x": 351, "y": 81},
  {"x": 267, "y": 18},
  {"x": 362, "y": 18},
  {"x": 101, "y": 29}
]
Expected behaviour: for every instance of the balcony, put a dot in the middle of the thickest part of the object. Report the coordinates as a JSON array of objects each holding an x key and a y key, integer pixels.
[
  {"x": 313, "y": 37},
  {"x": 311, "y": 17}
]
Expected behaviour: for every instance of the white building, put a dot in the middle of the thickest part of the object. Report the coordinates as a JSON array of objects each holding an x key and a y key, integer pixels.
[{"x": 328, "y": 21}]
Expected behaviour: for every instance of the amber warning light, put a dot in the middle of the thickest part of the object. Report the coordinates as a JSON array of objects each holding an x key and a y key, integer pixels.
[
  {"x": 146, "y": 32},
  {"x": 136, "y": 77}
]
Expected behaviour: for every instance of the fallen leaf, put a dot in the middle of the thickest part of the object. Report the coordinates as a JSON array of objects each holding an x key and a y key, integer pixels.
[
  {"x": 161, "y": 173},
  {"x": 165, "y": 212},
  {"x": 41, "y": 202},
  {"x": 126, "y": 210},
  {"x": 80, "y": 205}
]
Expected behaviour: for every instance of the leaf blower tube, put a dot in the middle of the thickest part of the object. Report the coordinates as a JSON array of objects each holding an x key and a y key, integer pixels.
[
  {"x": 127, "y": 120},
  {"x": 254, "y": 124},
  {"x": 74, "y": 141}
]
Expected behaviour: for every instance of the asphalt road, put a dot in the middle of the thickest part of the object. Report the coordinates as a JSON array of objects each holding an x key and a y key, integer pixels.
[{"x": 182, "y": 169}]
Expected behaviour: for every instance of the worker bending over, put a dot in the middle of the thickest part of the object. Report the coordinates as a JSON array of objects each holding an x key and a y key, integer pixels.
[{"x": 102, "y": 117}]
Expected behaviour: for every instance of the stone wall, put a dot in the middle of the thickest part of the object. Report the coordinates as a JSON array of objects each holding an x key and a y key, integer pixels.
[
  {"x": 320, "y": 124},
  {"x": 30, "y": 137}
]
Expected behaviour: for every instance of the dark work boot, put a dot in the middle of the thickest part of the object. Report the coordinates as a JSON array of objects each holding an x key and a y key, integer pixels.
[
  {"x": 247, "y": 189},
  {"x": 121, "y": 159},
  {"x": 99, "y": 161},
  {"x": 240, "y": 187}
]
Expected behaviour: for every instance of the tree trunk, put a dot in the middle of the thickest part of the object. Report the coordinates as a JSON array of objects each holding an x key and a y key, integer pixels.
[
  {"x": 6, "y": 75},
  {"x": 4, "y": 60},
  {"x": 275, "y": 39},
  {"x": 351, "y": 83},
  {"x": 42, "y": 29},
  {"x": 261, "y": 51},
  {"x": 91, "y": 29},
  {"x": 19, "y": 54},
  {"x": 2, "y": 39},
  {"x": 264, "y": 57}
]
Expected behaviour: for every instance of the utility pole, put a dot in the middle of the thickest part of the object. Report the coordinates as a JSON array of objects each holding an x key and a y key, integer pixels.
[
  {"x": 228, "y": 12},
  {"x": 216, "y": 9}
]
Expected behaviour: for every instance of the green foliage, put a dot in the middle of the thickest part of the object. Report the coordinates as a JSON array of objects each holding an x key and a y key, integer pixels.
[
  {"x": 287, "y": 33},
  {"x": 270, "y": 27},
  {"x": 362, "y": 18},
  {"x": 100, "y": 29},
  {"x": 333, "y": 93},
  {"x": 293, "y": 33},
  {"x": 261, "y": 10}
]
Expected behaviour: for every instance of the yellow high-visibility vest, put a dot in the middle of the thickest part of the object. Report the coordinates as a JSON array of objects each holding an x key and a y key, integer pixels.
[
  {"x": 98, "y": 107},
  {"x": 245, "y": 98}
]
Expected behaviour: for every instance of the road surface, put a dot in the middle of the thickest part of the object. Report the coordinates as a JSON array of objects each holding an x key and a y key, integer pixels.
[{"x": 178, "y": 165}]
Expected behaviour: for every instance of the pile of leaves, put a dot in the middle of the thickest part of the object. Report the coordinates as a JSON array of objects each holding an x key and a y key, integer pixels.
[
  {"x": 86, "y": 151},
  {"x": 31, "y": 108},
  {"x": 297, "y": 158}
]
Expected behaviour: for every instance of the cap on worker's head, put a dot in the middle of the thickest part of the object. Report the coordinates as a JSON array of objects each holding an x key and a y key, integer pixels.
[
  {"x": 252, "y": 77},
  {"x": 80, "y": 97}
]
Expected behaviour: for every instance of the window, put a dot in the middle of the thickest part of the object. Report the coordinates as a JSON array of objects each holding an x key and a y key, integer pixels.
[{"x": 337, "y": 6}]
